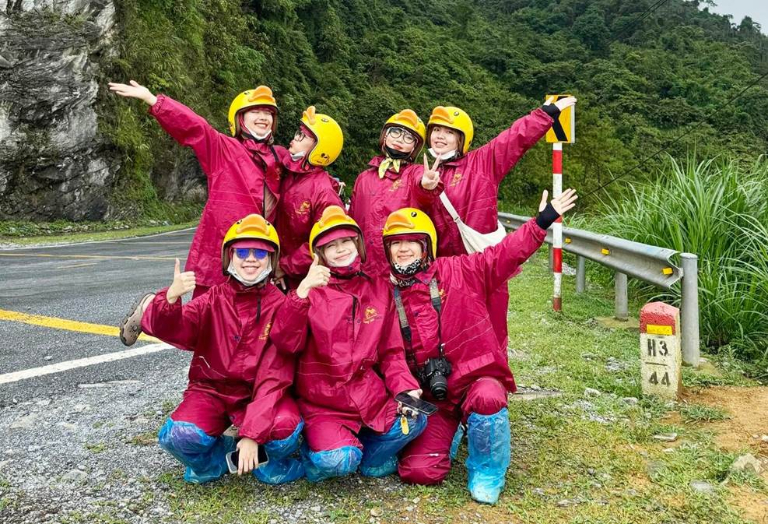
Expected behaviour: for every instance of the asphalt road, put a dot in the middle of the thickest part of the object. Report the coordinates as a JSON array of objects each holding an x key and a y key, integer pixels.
[{"x": 91, "y": 282}]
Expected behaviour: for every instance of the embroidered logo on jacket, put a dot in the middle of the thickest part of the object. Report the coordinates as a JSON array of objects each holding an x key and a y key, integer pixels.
[
  {"x": 396, "y": 184},
  {"x": 456, "y": 179},
  {"x": 303, "y": 209},
  {"x": 370, "y": 315},
  {"x": 266, "y": 331}
]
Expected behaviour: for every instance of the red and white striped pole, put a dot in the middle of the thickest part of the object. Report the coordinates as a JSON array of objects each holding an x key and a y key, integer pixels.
[{"x": 557, "y": 227}]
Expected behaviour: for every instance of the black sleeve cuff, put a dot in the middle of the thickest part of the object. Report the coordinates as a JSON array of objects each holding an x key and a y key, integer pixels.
[
  {"x": 547, "y": 217},
  {"x": 551, "y": 110}
]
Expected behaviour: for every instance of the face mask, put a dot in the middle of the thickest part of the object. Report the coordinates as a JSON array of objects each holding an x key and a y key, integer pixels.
[
  {"x": 256, "y": 135},
  {"x": 394, "y": 154},
  {"x": 298, "y": 156},
  {"x": 444, "y": 156},
  {"x": 346, "y": 262},
  {"x": 410, "y": 269},
  {"x": 260, "y": 277}
]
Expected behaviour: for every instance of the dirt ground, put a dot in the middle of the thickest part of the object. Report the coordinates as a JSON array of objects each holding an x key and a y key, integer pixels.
[{"x": 743, "y": 432}]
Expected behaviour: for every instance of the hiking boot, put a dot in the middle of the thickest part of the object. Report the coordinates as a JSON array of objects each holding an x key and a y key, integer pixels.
[{"x": 130, "y": 327}]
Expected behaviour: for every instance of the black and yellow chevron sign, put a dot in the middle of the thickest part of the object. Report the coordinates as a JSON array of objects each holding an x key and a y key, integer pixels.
[{"x": 564, "y": 128}]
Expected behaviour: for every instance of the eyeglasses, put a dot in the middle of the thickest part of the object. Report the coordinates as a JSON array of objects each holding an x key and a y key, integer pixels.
[
  {"x": 399, "y": 132},
  {"x": 299, "y": 136},
  {"x": 243, "y": 252}
]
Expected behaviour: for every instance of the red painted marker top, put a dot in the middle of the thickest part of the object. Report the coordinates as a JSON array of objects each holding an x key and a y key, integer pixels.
[{"x": 658, "y": 314}]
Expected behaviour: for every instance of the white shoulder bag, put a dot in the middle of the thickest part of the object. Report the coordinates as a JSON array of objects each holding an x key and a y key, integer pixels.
[{"x": 474, "y": 242}]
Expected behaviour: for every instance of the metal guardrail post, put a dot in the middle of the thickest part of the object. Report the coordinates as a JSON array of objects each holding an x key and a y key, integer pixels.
[
  {"x": 581, "y": 274},
  {"x": 689, "y": 310},
  {"x": 622, "y": 311}
]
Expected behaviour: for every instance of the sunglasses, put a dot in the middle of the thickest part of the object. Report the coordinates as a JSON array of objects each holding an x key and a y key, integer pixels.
[
  {"x": 243, "y": 252},
  {"x": 399, "y": 132}
]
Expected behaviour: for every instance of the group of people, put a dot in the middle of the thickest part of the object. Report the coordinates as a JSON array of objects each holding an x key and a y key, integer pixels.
[{"x": 308, "y": 317}]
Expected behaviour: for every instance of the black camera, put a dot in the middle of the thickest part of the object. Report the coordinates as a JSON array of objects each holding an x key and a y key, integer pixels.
[{"x": 432, "y": 375}]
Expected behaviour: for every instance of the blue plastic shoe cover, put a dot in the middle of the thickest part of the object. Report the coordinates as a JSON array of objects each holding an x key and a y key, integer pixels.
[
  {"x": 380, "y": 450},
  {"x": 321, "y": 465},
  {"x": 203, "y": 454},
  {"x": 489, "y": 455}
]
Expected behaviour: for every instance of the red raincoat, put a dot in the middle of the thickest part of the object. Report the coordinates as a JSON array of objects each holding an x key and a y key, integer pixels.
[
  {"x": 374, "y": 198},
  {"x": 233, "y": 359},
  {"x": 243, "y": 178},
  {"x": 347, "y": 338},
  {"x": 305, "y": 192},
  {"x": 472, "y": 185},
  {"x": 465, "y": 282}
]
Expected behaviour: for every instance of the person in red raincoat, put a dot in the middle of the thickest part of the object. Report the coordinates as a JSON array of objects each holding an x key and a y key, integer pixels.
[
  {"x": 451, "y": 346},
  {"x": 236, "y": 375},
  {"x": 305, "y": 191},
  {"x": 341, "y": 325},
  {"x": 243, "y": 172},
  {"x": 391, "y": 182},
  {"x": 472, "y": 179}
]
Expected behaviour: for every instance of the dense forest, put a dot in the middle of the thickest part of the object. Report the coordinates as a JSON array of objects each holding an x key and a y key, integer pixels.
[{"x": 650, "y": 76}]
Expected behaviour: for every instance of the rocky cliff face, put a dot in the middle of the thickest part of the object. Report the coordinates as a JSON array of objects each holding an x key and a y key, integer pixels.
[{"x": 53, "y": 163}]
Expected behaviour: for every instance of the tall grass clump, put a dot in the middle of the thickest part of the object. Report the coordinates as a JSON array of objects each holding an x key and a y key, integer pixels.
[{"x": 718, "y": 211}]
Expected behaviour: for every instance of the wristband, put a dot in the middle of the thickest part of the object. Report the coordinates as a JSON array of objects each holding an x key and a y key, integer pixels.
[{"x": 547, "y": 217}]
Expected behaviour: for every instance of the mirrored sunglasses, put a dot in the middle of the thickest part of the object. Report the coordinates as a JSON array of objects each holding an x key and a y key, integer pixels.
[{"x": 243, "y": 252}]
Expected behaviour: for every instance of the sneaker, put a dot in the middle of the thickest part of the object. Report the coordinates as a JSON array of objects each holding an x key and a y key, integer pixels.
[{"x": 130, "y": 328}]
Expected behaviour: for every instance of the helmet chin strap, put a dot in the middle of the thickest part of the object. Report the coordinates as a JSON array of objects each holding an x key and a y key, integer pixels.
[
  {"x": 444, "y": 156},
  {"x": 259, "y": 278}
]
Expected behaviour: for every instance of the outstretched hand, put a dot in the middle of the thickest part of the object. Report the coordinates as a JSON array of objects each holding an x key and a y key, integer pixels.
[
  {"x": 565, "y": 202},
  {"x": 183, "y": 283},
  {"x": 133, "y": 90},
  {"x": 431, "y": 178},
  {"x": 563, "y": 103}
]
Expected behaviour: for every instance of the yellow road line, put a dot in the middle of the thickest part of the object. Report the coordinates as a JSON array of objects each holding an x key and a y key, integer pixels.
[
  {"x": 78, "y": 265},
  {"x": 95, "y": 257},
  {"x": 69, "y": 325}
]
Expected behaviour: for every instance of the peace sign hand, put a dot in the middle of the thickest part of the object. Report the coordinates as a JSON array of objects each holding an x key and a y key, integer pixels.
[{"x": 431, "y": 178}]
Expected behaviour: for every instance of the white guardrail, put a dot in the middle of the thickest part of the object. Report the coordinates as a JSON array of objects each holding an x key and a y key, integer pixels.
[{"x": 627, "y": 258}]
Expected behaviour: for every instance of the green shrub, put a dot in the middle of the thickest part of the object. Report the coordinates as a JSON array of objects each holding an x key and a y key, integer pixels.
[{"x": 719, "y": 211}]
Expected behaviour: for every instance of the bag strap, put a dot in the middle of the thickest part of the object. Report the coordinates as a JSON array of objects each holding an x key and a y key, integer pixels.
[{"x": 449, "y": 207}]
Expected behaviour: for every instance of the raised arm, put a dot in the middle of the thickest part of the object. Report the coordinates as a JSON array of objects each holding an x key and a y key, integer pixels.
[
  {"x": 499, "y": 263},
  {"x": 168, "y": 320},
  {"x": 501, "y": 154},
  {"x": 184, "y": 125}
]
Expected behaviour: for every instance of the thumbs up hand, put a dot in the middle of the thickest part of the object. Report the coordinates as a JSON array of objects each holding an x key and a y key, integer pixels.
[
  {"x": 182, "y": 284},
  {"x": 317, "y": 276}
]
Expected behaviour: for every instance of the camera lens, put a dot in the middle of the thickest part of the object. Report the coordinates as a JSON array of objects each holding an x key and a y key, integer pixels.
[{"x": 438, "y": 385}]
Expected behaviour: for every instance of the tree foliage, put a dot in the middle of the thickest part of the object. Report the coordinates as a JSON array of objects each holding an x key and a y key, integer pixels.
[{"x": 643, "y": 77}]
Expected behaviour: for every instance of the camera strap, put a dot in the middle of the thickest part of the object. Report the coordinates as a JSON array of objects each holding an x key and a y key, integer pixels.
[{"x": 405, "y": 328}]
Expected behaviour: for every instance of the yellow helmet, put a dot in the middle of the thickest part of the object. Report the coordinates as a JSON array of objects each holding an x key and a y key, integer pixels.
[
  {"x": 453, "y": 118},
  {"x": 261, "y": 96},
  {"x": 330, "y": 138},
  {"x": 334, "y": 218},
  {"x": 410, "y": 221},
  {"x": 407, "y": 119},
  {"x": 252, "y": 227}
]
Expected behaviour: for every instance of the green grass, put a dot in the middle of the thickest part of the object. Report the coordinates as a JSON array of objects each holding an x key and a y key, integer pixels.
[
  {"x": 718, "y": 210},
  {"x": 575, "y": 459},
  {"x": 25, "y": 234}
]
